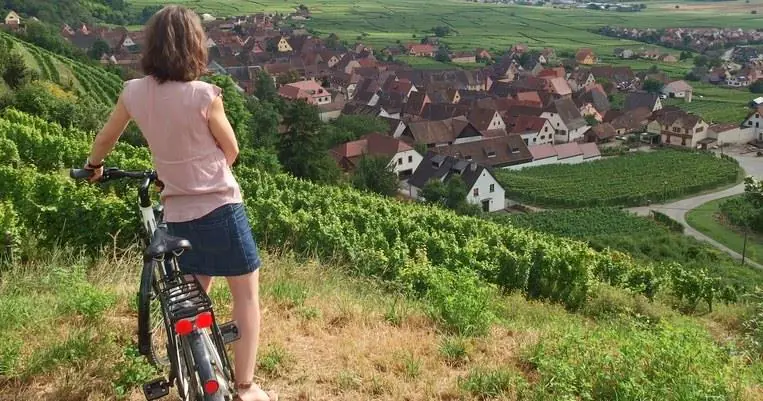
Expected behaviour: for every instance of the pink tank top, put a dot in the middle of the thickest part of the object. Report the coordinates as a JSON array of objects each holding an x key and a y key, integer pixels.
[{"x": 173, "y": 119}]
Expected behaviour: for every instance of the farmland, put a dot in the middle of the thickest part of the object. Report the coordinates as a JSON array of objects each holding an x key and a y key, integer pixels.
[
  {"x": 85, "y": 79},
  {"x": 631, "y": 180},
  {"x": 641, "y": 237},
  {"x": 481, "y": 25}
]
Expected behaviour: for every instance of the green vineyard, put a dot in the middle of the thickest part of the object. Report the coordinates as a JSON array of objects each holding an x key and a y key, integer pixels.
[
  {"x": 632, "y": 180},
  {"x": 376, "y": 236},
  {"x": 91, "y": 81}
]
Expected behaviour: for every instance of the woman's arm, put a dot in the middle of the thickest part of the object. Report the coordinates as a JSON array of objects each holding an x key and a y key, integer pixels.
[
  {"x": 222, "y": 130},
  {"x": 108, "y": 136}
]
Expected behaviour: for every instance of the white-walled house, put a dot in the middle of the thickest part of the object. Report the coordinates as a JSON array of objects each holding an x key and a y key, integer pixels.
[
  {"x": 678, "y": 89},
  {"x": 403, "y": 159},
  {"x": 483, "y": 189},
  {"x": 754, "y": 121},
  {"x": 725, "y": 134},
  {"x": 569, "y": 125},
  {"x": 533, "y": 130}
]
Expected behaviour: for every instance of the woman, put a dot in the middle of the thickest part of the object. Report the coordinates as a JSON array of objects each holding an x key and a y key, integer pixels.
[{"x": 193, "y": 147}]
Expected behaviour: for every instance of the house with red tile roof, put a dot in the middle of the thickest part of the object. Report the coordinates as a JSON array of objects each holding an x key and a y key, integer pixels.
[
  {"x": 310, "y": 91},
  {"x": 532, "y": 129},
  {"x": 403, "y": 158},
  {"x": 420, "y": 50}
]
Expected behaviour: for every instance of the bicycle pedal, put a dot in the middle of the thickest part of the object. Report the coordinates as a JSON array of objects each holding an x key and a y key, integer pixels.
[
  {"x": 156, "y": 389},
  {"x": 229, "y": 331}
]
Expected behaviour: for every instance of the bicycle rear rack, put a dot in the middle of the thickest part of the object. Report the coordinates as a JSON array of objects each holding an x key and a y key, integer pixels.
[{"x": 184, "y": 299}]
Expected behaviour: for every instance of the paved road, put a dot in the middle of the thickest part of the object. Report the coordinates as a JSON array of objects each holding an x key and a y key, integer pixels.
[{"x": 677, "y": 210}]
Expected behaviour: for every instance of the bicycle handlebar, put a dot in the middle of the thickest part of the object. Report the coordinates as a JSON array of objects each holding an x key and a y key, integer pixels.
[{"x": 111, "y": 173}]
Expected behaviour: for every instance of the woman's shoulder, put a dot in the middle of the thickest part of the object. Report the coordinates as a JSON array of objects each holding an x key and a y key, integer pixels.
[
  {"x": 208, "y": 91},
  {"x": 206, "y": 86}
]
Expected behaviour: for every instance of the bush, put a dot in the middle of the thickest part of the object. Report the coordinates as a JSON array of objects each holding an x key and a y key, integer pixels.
[
  {"x": 457, "y": 301},
  {"x": 485, "y": 383},
  {"x": 453, "y": 351},
  {"x": 630, "y": 361},
  {"x": 133, "y": 370},
  {"x": 613, "y": 303}
]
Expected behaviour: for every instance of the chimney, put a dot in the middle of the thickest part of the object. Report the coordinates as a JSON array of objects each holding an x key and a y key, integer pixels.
[{"x": 473, "y": 166}]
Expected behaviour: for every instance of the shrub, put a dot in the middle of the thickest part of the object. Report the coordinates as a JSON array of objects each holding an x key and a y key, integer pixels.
[
  {"x": 631, "y": 361},
  {"x": 458, "y": 301},
  {"x": 275, "y": 361},
  {"x": 133, "y": 371},
  {"x": 612, "y": 303},
  {"x": 453, "y": 350},
  {"x": 484, "y": 383}
]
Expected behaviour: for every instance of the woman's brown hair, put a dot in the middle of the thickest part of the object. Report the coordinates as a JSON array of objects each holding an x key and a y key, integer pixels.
[{"x": 176, "y": 48}]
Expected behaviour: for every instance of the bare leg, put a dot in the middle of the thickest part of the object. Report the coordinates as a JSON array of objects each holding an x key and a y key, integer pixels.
[
  {"x": 205, "y": 281},
  {"x": 246, "y": 313}
]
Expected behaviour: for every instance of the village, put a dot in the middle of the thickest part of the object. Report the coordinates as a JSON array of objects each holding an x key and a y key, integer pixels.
[{"x": 520, "y": 109}]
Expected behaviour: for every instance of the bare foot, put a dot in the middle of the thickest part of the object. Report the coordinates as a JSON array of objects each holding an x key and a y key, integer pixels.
[{"x": 255, "y": 393}]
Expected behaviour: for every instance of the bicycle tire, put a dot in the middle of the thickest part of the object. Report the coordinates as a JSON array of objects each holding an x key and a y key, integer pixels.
[
  {"x": 203, "y": 367},
  {"x": 151, "y": 320}
]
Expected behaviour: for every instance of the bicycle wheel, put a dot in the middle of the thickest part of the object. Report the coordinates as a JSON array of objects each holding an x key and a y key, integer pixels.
[
  {"x": 152, "y": 324},
  {"x": 198, "y": 371}
]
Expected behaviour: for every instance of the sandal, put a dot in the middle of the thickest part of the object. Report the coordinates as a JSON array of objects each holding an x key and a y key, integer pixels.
[{"x": 245, "y": 386}]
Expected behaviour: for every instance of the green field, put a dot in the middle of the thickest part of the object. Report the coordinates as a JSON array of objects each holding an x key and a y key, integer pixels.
[
  {"x": 641, "y": 237},
  {"x": 84, "y": 79},
  {"x": 482, "y": 25},
  {"x": 706, "y": 220},
  {"x": 631, "y": 180}
]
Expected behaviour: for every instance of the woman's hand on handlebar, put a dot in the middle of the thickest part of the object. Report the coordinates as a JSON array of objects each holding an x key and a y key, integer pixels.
[{"x": 97, "y": 171}]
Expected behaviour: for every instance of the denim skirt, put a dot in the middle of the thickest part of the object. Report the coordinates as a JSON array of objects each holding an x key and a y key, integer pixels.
[{"x": 221, "y": 243}]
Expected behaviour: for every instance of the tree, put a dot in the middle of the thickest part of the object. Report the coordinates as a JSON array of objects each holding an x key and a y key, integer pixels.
[
  {"x": 290, "y": 77},
  {"x": 701, "y": 61},
  {"x": 757, "y": 86},
  {"x": 653, "y": 69},
  {"x": 375, "y": 174},
  {"x": 98, "y": 49},
  {"x": 442, "y": 55},
  {"x": 692, "y": 76},
  {"x": 15, "y": 72},
  {"x": 591, "y": 120},
  {"x": 685, "y": 55},
  {"x": 332, "y": 41},
  {"x": 302, "y": 150},
  {"x": 441, "y": 31},
  {"x": 349, "y": 128},
  {"x": 264, "y": 87},
  {"x": 263, "y": 125},
  {"x": 434, "y": 192},
  {"x": 652, "y": 86}
]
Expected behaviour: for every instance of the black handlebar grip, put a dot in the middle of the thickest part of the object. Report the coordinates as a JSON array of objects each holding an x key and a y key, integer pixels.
[{"x": 80, "y": 173}]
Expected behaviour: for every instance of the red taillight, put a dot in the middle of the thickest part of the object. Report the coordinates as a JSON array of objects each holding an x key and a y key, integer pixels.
[
  {"x": 211, "y": 386},
  {"x": 183, "y": 327},
  {"x": 204, "y": 320}
]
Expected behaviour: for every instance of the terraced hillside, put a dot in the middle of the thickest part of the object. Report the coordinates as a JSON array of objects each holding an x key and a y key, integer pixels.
[{"x": 85, "y": 79}]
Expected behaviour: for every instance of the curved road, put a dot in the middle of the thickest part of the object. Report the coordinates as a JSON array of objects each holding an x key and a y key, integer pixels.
[{"x": 677, "y": 210}]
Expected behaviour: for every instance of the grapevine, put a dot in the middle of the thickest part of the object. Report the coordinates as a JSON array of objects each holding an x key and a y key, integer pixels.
[{"x": 631, "y": 180}]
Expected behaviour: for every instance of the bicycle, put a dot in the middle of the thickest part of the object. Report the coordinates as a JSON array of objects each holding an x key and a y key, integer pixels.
[{"x": 177, "y": 329}]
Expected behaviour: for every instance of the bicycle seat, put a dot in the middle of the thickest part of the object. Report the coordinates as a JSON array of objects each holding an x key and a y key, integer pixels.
[{"x": 163, "y": 243}]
